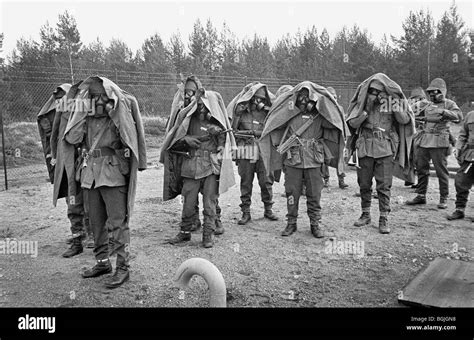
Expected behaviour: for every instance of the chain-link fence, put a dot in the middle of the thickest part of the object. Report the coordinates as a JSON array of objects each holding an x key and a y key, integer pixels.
[{"x": 23, "y": 93}]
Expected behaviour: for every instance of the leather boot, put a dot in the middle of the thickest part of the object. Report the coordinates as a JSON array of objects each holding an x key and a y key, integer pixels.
[
  {"x": 456, "y": 215},
  {"x": 207, "y": 238},
  {"x": 75, "y": 249},
  {"x": 317, "y": 231},
  {"x": 342, "y": 184},
  {"x": 182, "y": 236},
  {"x": 290, "y": 229},
  {"x": 443, "y": 203},
  {"x": 245, "y": 218},
  {"x": 268, "y": 214},
  {"x": 100, "y": 268},
  {"x": 89, "y": 241},
  {"x": 196, "y": 225},
  {"x": 364, "y": 219},
  {"x": 326, "y": 182},
  {"x": 120, "y": 276},
  {"x": 419, "y": 199},
  {"x": 383, "y": 226},
  {"x": 219, "y": 230}
]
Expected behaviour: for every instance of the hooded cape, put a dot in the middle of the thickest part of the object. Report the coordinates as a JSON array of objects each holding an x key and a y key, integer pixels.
[
  {"x": 45, "y": 120},
  {"x": 403, "y": 167},
  {"x": 126, "y": 117},
  {"x": 172, "y": 183},
  {"x": 245, "y": 95},
  {"x": 284, "y": 109}
]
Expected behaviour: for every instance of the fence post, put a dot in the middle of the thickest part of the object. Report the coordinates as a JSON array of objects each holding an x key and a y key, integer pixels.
[
  {"x": 3, "y": 149},
  {"x": 116, "y": 76}
]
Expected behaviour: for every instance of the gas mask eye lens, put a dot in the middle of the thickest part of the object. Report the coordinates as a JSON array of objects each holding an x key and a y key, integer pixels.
[{"x": 190, "y": 93}]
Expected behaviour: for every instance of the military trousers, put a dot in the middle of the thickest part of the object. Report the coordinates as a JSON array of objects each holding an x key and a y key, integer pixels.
[
  {"x": 247, "y": 171},
  {"x": 294, "y": 180},
  {"x": 382, "y": 170},
  {"x": 325, "y": 172},
  {"x": 209, "y": 188},
  {"x": 76, "y": 213},
  {"x": 439, "y": 156},
  {"x": 196, "y": 209},
  {"x": 463, "y": 183},
  {"x": 108, "y": 211}
]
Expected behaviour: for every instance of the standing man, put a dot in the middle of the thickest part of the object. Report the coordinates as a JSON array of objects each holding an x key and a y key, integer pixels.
[
  {"x": 52, "y": 121},
  {"x": 434, "y": 143},
  {"x": 293, "y": 137},
  {"x": 248, "y": 111},
  {"x": 187, "y": 91},
  {"x": 465, "y": 176},
  {"x": 382, "y": 124},
  {"x": 197, "y": 157},
  {"x": 332, "y": 135},
  {"x": 107, "y": 126}
]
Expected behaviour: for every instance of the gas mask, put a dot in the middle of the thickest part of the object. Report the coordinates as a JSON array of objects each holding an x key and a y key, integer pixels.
[
  {"x": 303, "y": 102},
  {"x": 259, "y": 103},
  {"x": 203, "y": 111},
  {"x": 436, "y": 96},
  {"x": 189, "y": 95},
  {"x": 102, "y": 103}
]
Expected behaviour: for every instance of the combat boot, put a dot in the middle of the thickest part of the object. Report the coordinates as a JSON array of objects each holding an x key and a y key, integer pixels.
[
  {"x": 219, "y": 230},
  {"x": 268, "y": 214},
  {"x": 207, "y": 238},
  {"x": 342, "y": 184},
  {"x": 443, "y": 203},
  {"x": 120, "y": 276},
  {"x": 419, "y": 199},
  {"x": 383, "y": 227},
  {"x": 183, "y": 236},
  {"x": 75, "y": 249},
  {"x": 290, "y": 229},
  {"x": 364, "y": 219},
  {"x": 317, "y": 231},
  {"x": 245, "y": 218},
  {"x": 456, "y": 215},
  {"x": 89, "y": 241},
  {"x": 100, "y": 268}
]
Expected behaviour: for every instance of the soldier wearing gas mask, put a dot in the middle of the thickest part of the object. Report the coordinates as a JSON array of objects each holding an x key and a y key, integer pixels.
[
  {"x": 465, "y": 156},
  {"x": 196, "y": 144},
  {"x": 333, "y": 136},
  {"x": 183, "y": 98},
  {"x": 249, "y": 110},
  {"x": 379, "y": 130},
  {"x": 110, "y": 133},
  {"x": 294, "y": 138},
  {"x": 434, "y": 142}
]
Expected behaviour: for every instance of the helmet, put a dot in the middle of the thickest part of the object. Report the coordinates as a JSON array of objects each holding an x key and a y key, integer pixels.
[
  {"x": 283, "y": 89},
  {"x": 417, "y": 92},
  {"x": 375, "y": 84},
  {"x": 261, "y": 93},
  {"x": 96, "y": 88},
  {"x": 437, "y": 84},
  {"x": 190, "y": 85}
]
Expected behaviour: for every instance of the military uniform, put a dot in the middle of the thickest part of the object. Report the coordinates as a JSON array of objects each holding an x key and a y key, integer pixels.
[
  {"x": 377, "y": 145},
  {"x": 434, "y": 144},
  {"x": 465, "y": 175},
  {"x": 250, "y": 163}
]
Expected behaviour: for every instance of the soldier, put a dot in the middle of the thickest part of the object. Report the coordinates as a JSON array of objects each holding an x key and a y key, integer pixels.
[
  {"x": 418, "y": 104},
  {"x": 52, "y": 121},
  {"x": 183, "y": 97},
  {"x": 248, "y": 111},
  {"x": 106, "y": 125},
  {"x": 381, "y": 126},
  {"x": 197, "y": 157},
  {"x": 332, "y": 136},
  {"x": 465, "y": 156},
  {"x": 293, "y": 136},
  {"x": 434, "y": 142}
]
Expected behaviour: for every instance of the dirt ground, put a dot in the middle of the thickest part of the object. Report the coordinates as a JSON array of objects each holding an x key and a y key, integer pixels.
[{"x": 260, "y": 268}]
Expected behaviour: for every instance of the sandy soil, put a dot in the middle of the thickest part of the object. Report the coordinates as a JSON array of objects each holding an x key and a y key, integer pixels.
[{"x": 261, "y": 268}]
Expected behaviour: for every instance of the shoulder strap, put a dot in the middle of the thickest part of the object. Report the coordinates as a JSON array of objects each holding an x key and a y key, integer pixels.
[{"x": 99, "y": 136}]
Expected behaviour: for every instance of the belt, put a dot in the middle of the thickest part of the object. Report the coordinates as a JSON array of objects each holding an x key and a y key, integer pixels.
[
  {"x": 200, "y": 153},
  {"x": 101, "y": 152},
  {"x": 435, "y": 131},
  {"x": 377, "y": 133}
]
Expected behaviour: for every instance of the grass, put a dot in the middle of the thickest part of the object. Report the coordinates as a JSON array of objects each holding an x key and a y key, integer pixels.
[{"x": 22, "y": 143}]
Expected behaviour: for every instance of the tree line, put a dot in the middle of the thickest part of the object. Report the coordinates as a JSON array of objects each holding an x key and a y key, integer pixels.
[{"x": 426, "y": 50}]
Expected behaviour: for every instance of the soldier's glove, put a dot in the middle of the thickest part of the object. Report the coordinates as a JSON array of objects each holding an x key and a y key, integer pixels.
[
  {"x": 214, "y": 130},
  {"x": 193, "y": 142},
  {"x": 257, "y": 134}
]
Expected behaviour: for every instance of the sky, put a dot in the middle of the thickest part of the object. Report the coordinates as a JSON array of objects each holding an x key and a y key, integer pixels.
[{"x": 133, "y": 22}]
